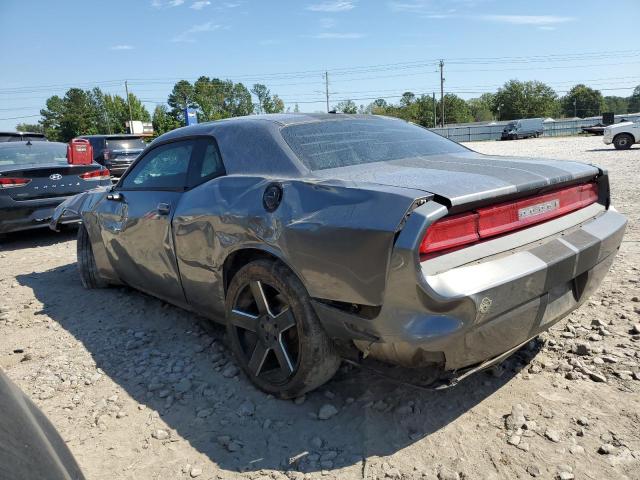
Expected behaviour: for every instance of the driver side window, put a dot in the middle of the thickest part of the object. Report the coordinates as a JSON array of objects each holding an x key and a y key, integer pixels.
[{"x": 164, "y": 167}]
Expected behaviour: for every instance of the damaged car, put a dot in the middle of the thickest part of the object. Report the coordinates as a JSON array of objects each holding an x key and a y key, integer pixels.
[{"x": 320, "y": 237}]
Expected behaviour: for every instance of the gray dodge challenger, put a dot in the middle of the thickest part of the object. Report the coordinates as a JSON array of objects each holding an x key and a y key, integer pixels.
[{"x": 315, "y": 238}]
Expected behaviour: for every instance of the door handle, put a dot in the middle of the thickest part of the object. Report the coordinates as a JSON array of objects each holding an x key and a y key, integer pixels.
[
  {"x": 115, "y": 197},
  {"x": 164, "y": 208}
]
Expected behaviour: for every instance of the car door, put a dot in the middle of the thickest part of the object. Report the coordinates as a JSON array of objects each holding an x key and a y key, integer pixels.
[{"x": 136, "y": 220}]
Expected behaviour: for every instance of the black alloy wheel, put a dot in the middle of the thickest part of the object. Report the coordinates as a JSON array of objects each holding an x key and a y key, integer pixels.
[{"x": 274, "y": 331}]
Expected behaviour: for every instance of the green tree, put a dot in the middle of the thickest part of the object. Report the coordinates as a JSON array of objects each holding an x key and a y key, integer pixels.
[
  {"x": 267, "y": 103},
  {"x": 30, "y": 127},
  {"x": 582, "y": 101},
  {"x": 531, "y": 99},
  {"x": 181, "y": 97},
  {"x": 456, "y": 110},
  {"x": 346, "y": 106},
  {"x": 634, "y": 101},
  {"x": 481, "y": 107},
  {"x": 615, "y": 104},
  {"x": 163, "y": 121},
  {"x": 52, "y": 117}
]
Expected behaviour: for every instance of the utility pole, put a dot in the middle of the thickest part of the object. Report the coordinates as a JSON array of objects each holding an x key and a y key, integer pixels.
[
  {"x": 575, "y": 107},
  {"x": 326, "y": 88},
  {"x": 442, "y": 92},
  {"x": 434, "y": 110},
  {"x": 126, "y": 87}
]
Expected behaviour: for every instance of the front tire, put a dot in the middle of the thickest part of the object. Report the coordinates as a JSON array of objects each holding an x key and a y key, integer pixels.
[
  {"x": 623, "y": 141},
  {"x": 274, "y": 332},
  {"x": 86, "y": 262}
]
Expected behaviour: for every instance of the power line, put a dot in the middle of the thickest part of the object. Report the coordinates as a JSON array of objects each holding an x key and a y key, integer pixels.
[{"x": 356, "y": 70}]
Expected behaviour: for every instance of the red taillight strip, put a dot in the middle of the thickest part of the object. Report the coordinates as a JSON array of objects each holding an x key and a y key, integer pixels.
[
  {"x": 458, "y": 230},
  {"x": 102, "y": 174},
  {"x": 13, "y": 182}
]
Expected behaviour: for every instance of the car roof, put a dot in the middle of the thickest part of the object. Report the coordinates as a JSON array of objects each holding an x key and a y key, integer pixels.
[
  {"x": 112, "y": 135},
  {"x": 267, "y": 153},
  {"x": 17, "y": 134},
  {"x": 31, "y": 144}
]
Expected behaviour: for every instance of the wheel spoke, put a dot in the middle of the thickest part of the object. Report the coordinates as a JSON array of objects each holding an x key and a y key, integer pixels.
[
  {"x": 257, "y": 358},
  {"x": 244, "y": 320},
  {"x": 285, "y": 320},
  {"x": 260, "y": 297},
  {"x": 282, "y": 355}
]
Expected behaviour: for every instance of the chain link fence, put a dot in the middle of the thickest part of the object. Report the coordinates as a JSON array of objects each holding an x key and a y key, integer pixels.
[{"x": 492, "y": 131}]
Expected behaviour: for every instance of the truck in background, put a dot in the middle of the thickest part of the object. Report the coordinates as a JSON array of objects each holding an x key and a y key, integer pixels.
[{"x": 524, "y": 128}]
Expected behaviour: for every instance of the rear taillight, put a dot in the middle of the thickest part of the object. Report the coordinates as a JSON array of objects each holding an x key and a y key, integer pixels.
[
  {"x": 450, "y": 232},
  {"x": 102, "y": 174},
  {"x": 9, "y": 182},
  {"x": 458, "y": 230},
  {"x": 106, "y": 154}
]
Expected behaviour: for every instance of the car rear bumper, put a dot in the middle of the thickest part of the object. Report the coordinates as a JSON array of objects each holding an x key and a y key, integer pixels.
[
  {"x": 28, "y": 214},
  {"x": 467, "y": 314}
]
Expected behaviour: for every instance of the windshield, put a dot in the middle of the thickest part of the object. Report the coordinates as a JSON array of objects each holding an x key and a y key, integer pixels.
[
  {"x": 40, "y": 152},
  {"x": 126, "y": 143},
  {"x": 332, "y": 144}
]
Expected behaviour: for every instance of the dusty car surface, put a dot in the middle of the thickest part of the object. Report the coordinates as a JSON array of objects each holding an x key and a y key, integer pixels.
[{"x": 316, "y": 236}]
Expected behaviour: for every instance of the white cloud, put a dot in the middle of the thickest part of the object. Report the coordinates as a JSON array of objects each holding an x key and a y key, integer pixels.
[
  {"x": 190, "y": 34},
  {"x": 200, "y": 4},
  {"x": 166, "y": 3},
  {"x": 121, "y": 47},
  {"x": 332, "y": 6},
  {"x": 527, "y": 19},
  {"x": 327, "y": 23},
  {"x": 338, "y": 36}
]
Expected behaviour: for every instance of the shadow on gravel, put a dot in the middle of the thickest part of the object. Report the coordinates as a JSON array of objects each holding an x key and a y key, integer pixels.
[
  {"x": 177, "y": 364},
  {"x": 41, "y": 237}
]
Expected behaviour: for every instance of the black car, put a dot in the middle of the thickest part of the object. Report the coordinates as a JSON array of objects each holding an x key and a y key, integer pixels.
[
  {"x": 35, "y": 178},
  {"x": 116, "y": 152},
  {"x": 22, "y": 137}
]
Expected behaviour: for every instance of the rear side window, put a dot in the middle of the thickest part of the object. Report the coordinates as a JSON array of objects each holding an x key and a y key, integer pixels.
[
  {"x": 340, "y": 143},
  {"x": 164, "y": 167},
  {"x": 207, "y": 162}
]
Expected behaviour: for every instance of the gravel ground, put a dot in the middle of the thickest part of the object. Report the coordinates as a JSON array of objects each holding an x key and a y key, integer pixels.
[{"x": 142, "y": 390}]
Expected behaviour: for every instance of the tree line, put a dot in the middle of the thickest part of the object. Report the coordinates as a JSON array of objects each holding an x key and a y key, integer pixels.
[
  {"x": 514, "y": 100},
  {"x": 86, "y": 112}
]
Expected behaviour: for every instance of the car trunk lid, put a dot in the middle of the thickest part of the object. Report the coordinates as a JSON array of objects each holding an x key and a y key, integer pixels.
[
  {"x": 47, "y": 181},
  {"x": 466, "y": 179}
]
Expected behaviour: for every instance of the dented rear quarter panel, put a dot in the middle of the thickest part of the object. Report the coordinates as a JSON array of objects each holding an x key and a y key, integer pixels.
[{"x": 331, "y": 234}]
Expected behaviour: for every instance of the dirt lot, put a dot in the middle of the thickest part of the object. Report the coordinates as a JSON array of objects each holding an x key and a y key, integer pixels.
[{"x": 141, "y": 390}]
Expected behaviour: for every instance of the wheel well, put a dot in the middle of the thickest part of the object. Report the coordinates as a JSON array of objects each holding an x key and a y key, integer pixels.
[
  {"x": 238, "y": 259},
  {"x": 625, "y": 133}
]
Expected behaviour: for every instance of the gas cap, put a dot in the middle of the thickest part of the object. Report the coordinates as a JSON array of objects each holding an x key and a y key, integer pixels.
[{"x": 272, "y": 197}]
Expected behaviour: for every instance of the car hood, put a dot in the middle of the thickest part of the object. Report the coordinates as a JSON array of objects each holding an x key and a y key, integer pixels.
[
  {"x": 619, "y": 126},
  {"x": 466, "y": 177}
]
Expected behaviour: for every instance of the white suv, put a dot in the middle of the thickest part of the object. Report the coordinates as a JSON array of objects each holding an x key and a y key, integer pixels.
[{"x": 623, "y": 134}]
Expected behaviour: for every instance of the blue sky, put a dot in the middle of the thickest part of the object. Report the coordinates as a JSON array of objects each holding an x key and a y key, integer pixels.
[{"x": 371, "y": 48}]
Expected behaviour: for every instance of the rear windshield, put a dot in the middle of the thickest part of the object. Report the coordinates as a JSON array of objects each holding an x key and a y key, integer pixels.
[
  {"x": 340, "y": 143},
  {"x": 40, "y": 152},
  {"x": 125, "y": 144}
]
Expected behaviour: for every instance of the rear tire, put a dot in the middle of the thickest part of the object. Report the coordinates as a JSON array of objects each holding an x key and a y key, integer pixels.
[
  {"x": 274, "y": 332},
  {"x": 86, "y": 262},
  {"x": 623, "y": 141}
]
